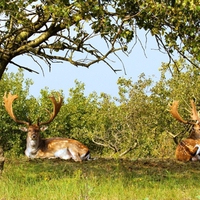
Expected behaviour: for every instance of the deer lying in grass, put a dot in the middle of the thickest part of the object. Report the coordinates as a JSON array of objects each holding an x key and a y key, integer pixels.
[
  {"x": 188, "y": 149},
  {"x": 36, "y": 147}
]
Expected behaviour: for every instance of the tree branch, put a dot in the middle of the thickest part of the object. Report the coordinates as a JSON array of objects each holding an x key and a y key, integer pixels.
[
  {"x": 129, "y": 149},
  {"x": 22, "y": 67}
]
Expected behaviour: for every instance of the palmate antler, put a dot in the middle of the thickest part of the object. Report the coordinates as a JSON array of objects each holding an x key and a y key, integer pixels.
[
  {"x": 174, "y": 111},
  {"x": 8, "y": 101},
  {"x": 194, "y": 114},
  {"x": 56, "y": 109}
]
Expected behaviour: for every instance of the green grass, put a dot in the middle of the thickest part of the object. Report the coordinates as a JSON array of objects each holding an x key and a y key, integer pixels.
[{"x": 101, "y": 179}]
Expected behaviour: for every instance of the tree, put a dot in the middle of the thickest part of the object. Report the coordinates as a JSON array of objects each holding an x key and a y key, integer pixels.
[{"x": 62, "y": 30}]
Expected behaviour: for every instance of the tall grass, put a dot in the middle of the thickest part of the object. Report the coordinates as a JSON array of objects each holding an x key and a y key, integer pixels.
[{"x": 101, "y": 179}]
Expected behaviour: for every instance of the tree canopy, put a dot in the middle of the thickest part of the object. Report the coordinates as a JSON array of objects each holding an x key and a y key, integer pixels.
[{"x": 66, "y": 30}]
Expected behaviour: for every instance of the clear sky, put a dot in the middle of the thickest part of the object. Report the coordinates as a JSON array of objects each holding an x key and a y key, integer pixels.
[{"x": 99, "y": 77}]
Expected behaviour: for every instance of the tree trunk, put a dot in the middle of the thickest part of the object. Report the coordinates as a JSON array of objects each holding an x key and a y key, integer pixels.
[
  {"x": 3, "y": 65},
  {"x": 2, "y": 159}
]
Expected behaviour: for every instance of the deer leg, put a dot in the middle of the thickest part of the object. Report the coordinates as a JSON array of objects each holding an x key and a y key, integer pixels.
[
  {"x": 75, "y": 156},
  {"x": 197, "y": 154},
  {"x": 86, "y": 156},
  {"x": 198, "y": 149}
]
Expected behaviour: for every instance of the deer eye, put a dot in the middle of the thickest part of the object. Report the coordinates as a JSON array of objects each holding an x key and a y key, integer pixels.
[{"x": 34, "y": 136}]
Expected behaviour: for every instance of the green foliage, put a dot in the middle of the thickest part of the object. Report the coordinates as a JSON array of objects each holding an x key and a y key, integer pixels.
[
  {"x": 134, "y": 124},
  {"x": 63, "y": 29}
]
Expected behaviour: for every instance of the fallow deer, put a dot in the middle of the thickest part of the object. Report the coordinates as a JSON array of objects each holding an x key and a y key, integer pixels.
[
  {"x": 188, "y": 149},
  {"x": 37, "y": 147}
]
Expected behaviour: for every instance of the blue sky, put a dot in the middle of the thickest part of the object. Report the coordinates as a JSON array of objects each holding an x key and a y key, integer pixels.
[{"x": 99, "y": 77}]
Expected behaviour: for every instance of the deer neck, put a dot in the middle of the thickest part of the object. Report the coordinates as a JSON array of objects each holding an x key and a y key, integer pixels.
[
  {"x": 32, "y": 147},
  {"x": 194, "y": 136}
]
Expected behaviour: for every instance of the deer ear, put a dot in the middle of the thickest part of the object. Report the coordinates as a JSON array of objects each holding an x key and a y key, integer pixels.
[
  {"x": 24, "y": 129},
  {"x": 43, "y": 128}
]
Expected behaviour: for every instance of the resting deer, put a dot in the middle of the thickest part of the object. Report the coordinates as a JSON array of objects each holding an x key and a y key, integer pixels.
[
  {"x": 36, "y": 147},
  {"x": 188, "y": 149}
]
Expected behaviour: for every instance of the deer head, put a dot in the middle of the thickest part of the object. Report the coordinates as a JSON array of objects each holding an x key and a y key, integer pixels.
[
  {"x": 195, "y": 120},
  {"x": 8, "y": 101}
]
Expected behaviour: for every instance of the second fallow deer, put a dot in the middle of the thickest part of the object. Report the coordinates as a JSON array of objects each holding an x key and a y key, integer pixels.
[
  {"x": 37, "y": 147},
  {"x": 188, "y": 149}
]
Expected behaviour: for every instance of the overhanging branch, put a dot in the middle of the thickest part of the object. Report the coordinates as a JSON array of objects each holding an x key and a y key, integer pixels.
[
  {"x": 22, "y": 67},
  {"x": 81, "y": 62}
]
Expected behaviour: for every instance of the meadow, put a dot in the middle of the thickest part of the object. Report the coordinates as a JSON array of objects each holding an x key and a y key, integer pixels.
[{"x": 100, "y": 179}]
